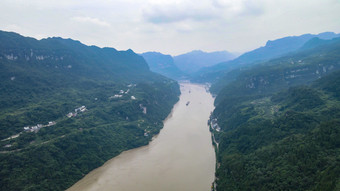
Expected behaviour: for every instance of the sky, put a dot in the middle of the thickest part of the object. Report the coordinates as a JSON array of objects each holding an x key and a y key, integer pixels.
[{"x": 170, "y": 26}]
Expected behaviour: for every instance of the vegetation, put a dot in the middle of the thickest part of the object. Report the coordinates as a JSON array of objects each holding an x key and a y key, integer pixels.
[
  {"x": 224, "y": 72},
  {"x": 163, "y": 64},
  {"x": 297, "y": 68},
  {"x": 280, "y": 127},
  {"x": 43, "y": 81}
]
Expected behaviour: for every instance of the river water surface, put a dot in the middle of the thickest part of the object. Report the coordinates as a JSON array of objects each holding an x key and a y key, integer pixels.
[{"x": 180, "y": 158}]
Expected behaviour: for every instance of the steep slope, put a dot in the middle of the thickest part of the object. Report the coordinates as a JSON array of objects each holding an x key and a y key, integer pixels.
[
  {"x": 163, "y": 64},
  {"x": 271, "y": 50},
  {"x": 72, "y": 56},
  {"x": 287, "y": 141},
  {"x": 316, "y": 58},
  {"x": 197, "y": 59},
  {"x": 275, "y": 135},
  {"x": 66, "y": 108}
]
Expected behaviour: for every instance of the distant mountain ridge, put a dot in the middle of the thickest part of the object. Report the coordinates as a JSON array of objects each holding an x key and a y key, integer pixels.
[
  {"x": 192, "y": 61},
  {"x": 179, "y": 67},
  {"x": 272, "y": 49},
  {"x": 299, "y": 67},
  {"x": 163, "y": 64},
  {"x": 72, "y": 56}
]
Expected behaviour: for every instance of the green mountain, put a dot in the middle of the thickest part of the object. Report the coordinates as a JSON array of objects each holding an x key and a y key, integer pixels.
[
  {"x": 304, "y": 61},
  {"x": 66, "y": 108},
  {"x": 277, "y": 123},
  {"x": 193, "y": 61},
  {"x": 163, "y": 64},
  {"x": 272, "y": 49}
]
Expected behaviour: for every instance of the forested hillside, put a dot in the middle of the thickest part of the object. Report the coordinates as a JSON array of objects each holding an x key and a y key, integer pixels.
[
  {"x": 163, "y": 64},
  {"x": 272, "y": 49},
  {"x": 66, "y": 108},
  {"x": 278, "y": 123},
  {"x": 316, "y": 59}
]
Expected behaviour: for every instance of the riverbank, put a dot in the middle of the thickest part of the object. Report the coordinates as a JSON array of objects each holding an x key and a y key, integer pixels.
[{"x": 181, "y": 157}]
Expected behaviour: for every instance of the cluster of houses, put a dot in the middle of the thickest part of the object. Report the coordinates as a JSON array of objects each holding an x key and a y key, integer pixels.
[
  {"x": 214, "y": 125},
  {"x": 146, "y": 133},
  {"x": 38, "y": 126},
  {"x": 122, "y": 92},
  {"x": 115, "y": 96},
  {"x": 76, "y": 111},
  {"x": 29, "y": 129}
]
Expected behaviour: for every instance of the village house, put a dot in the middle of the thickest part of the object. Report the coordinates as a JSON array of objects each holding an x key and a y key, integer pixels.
[
  {"x": 80, "y": 109},
  {"x": 116, "y": 96},
  {"x": 34, "y": 128},
  {"x": 51, "y": 123},
  {"x": 69, "y": 115},
  {"x": 214, "y": 125}
]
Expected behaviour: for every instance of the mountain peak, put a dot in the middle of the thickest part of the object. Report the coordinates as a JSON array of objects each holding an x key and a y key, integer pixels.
[
  {"x": 162, "y": 64},
  {"x": 197, "y": 59}
]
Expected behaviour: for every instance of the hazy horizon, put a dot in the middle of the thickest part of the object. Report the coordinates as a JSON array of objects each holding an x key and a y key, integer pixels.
[{"x": 170, "y": 27}]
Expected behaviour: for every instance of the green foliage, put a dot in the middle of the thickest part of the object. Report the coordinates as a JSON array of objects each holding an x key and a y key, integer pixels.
[
  {"x": 163, "y": 64},
  {"x": 300, "y": 67},
  {"x": 42, "y": 81},
  {"x": 330, "y": 84},
  {"x": 299, "y": 98},
  {"x": 220, "y": 73},
  {"x": 278, "y": 137}
]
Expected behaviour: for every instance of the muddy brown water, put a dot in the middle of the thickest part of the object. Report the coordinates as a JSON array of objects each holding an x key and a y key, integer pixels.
[{"x": 180, "y": 158}]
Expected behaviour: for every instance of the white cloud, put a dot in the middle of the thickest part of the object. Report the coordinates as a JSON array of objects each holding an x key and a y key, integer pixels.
[
  {"x": 178, "y": 11},
  {"x": 170, "y": 26},
  {"x": 200, "y": 11},
  {"x": 91, "y": 20}
]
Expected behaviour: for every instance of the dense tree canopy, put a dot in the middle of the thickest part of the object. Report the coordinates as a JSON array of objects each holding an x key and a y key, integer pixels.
[
  {"x": 43, "y": 81},
  {"x": 280, "y": 127}
]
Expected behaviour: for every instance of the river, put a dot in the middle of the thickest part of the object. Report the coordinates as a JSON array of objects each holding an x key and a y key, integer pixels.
[{"x": 180, "y": 158}]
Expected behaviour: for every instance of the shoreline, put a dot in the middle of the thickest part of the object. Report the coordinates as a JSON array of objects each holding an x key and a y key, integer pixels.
[
  {"x": 94, "y": 171},
  {"x": 95, "y": 179}
]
